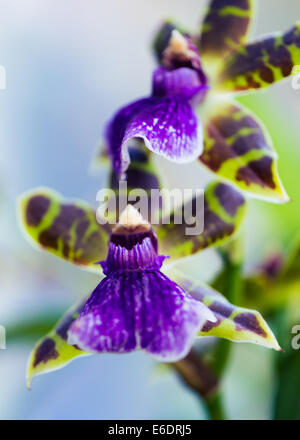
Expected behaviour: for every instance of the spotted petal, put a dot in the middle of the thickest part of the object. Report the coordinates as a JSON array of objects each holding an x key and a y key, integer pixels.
[
  {"x": 224, "y": 209},
  {"x": 262, "y": 63},
  {"x": 234, "y": 323},
  {"x": 224, "y": 29},
  {"x": 52, "y": 352},
  {"x": 238, "y": 149},
  {"x": 66, "y": 229}
]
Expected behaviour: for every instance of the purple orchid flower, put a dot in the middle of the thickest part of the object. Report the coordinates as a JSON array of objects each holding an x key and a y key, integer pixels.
[
  {"x": 166, "y": 120},
  {"x": 136, "y": 306}
]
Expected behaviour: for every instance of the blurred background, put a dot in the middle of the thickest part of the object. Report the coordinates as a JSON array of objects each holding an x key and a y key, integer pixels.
[{"x": 69, "y": 66}]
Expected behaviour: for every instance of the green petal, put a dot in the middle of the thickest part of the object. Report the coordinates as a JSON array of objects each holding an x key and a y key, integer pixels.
[
  {"x": 234, "y": 323},
  {"x": 224, "y": 29},
  {"x": 52, "y": 352},
  {"x": 238, "y": 148},
  {"x": 224, "y": 209},
  {"x": 262, "y": 63},
  {"x": 66, "y": 229}
]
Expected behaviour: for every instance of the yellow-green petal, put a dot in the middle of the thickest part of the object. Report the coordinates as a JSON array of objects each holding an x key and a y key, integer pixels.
[
  {"x": 52, "y": 352},
  {"x": 238, "y": 148},
  {"x": 67, "y": 229},
  {"x": 224, "y": 29},
  {"x": 232, "y": 322},
  {"x": 262, "y": 63},
  {"x": 224, "y": 210}
]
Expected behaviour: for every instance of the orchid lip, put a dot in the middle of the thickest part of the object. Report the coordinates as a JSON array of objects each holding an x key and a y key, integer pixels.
[{"x": 136, "y": 306}]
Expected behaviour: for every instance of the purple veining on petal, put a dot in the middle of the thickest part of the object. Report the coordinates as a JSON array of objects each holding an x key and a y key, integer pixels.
[
  {"x": 139, "y": 310},
  {"x": 133, "y": 252},
  {"x": 136, "y": 306},
  {"x": 169, "y": 127},
  {"x": 165, "y": 121},
  {"x": 182, "y": 82}
]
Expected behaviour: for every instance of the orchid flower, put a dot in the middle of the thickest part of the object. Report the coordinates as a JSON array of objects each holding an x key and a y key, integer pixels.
[
  {"x": 190, "y": 113},
  {"x": 136, "y": 305}
]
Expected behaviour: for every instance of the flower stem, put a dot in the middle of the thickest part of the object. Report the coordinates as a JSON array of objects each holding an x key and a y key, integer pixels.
[
  {"x": 197, "y": 375},
  {"x": 201, "y": 376},
  {"x": 215, "y": 407},
  {"x": 231, "y": 286}
]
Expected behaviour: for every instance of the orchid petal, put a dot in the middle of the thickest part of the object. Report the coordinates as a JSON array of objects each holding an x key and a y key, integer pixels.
[
  {"x": 224, "y": 209},
  {"x": 139, "y": 310},
  {"x": 262, "y": 63},
  {"x": 167, "y": 125},
  {"x": 224, "y": 29},
  {"x": 53, "y": 352},
  {"x": 238, "y": 149},
  {"x": 66, "y": 229},
  {"x": 234, "y": 323}
]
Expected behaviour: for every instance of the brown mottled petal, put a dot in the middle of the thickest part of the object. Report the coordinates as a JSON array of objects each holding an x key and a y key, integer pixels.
[
  {"x": 224, "y": 209},
  {"x": 53, "y": 352},
  {"x": 238, "y": 148},
  {"x": 260, "y": 64},
  {"x": 234, "y": 323},
  {"x": 66, "y": 229},
  {"x": 224, "y": 29}
]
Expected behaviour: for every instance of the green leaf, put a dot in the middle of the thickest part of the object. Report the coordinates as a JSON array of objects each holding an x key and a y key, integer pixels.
[
  {"x": 234, "y": 323},
  {"x": 52, "y": 352},
  {"x": 238, "y": 148},
  {"x": 224, "y": 210},
  {"x": 64, "y": 228},
  {"x": 224, "y": 29},
  {"x": 259, "y": 64}
]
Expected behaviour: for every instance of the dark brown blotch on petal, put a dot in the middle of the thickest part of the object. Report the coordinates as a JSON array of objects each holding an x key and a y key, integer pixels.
[
  {"x": 36, "y": 209},
  {"x": 60, "y": 228},
  {"x": 257, "y": 171},
  {"x": 214, "y": 228},
  {"x": 224, "y": 30},
  {"x": 219, "y": 152},
  {"x": 248, "y": 321},
  {"x": 63, "y": 327},
  {"x": 221, "y": 311},
  {"x": 45, "y": 352},
  {"x": 230, "y": 199},
  {"x": 266, "y": 74}
]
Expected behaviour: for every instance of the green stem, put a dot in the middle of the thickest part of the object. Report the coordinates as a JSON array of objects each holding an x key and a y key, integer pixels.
[
  {"x": 231, "y": 287},
  {"x": 215, "y": 407}
]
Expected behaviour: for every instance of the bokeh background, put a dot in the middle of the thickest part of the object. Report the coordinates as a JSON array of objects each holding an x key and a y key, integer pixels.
[{"x": 69, "y": 65}]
